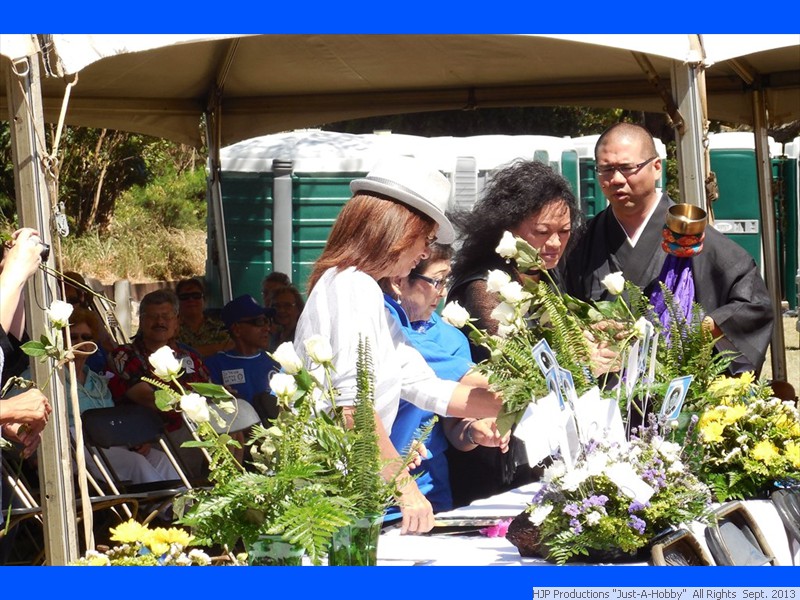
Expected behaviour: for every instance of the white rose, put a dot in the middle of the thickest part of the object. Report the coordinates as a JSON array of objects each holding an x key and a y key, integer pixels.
[
  {"x": 614, "y": 283},
  {"x": 642, "y": 327},
  {"x": 497, "y": 280},
  {"x": 539, "y": 514},
  {"x": 59, "y": 313},
  {"x": 504, "y": 313},
  {"x": 506, "y": 331},
  {"x": 319, "y": 349},
  {"x": 283, "y": 385},
  {"x": 513, "y": 293},
  {"x": 507, "y": 248},
  {"x": 287, "y": 358},
  {"x": 165, "y": 365},
  {"x": 455, "y": 314},
  {"x": 196, "y": 407}
]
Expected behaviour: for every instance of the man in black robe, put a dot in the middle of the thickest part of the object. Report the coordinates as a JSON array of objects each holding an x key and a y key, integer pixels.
[{"x": 626, "y": 237}]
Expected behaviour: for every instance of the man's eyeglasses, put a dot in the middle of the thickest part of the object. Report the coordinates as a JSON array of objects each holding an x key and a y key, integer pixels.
[
  {"x": 191, "y": 296},
  {"x": 255, "y": 322},
  {"x": 625, "y": 170},
  {"x": 284, "y": 305},
  {"x": 437, "y": 284}
]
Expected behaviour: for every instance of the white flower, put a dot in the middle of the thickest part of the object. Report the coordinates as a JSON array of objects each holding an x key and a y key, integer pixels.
[
  {"x": 287, "y": 358},
  {"x": 573, "y": 479},
  {"x": 505, "y": 331},
  {"x": 507, "y": 248},
  {"x": 539, "y": 514},
  {"x": 642, "y": 327},
  {"x": 676, "y": 467},
  {"x": 614, "y": 283},
  {"x": 504, "y": 313},
  {"x": 669, "y": 450},
  {"x": 554, "y": 471},
  {"x": 196, "y": 407},
  {"x": 319, "y": 349},
  {"x": 513, "y": 293},
  {"x": 596, "y": 463},
  {"x": 165, "y": 365},
  {"x": 497, "y": 280},
  {"x": 594, "y": 517},
  {"x": 59, "y": 313},
  {"x": 199, "y": 557},
  {"x": 455, "y": 314},
  {"x": 283, "y": 385}
]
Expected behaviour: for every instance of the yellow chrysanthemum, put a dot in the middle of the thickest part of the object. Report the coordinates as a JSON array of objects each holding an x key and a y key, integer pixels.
[
  {"x": 129, "y": 532},
  {"x": 732, "y": 387},
  {"x": 734, "y": 413},
  {"x": 172, "y": 535},
  {"x": 793, "y": 454},
  {"x": 712, "y": 431},
  {"x": 711, "y": 415},
  {"x": 765, "y": 451}
]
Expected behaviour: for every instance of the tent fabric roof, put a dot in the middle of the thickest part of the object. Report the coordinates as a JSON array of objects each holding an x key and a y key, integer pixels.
[{"x": 160, "y": 85}]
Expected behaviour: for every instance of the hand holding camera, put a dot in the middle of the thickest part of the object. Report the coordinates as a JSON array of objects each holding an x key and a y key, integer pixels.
[{"x": 24, "y": 253}]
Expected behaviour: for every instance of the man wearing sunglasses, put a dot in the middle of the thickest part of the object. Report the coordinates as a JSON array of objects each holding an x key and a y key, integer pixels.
[
  {"x": 246, "y": 369},
  {"x": 627, "y": 237}
]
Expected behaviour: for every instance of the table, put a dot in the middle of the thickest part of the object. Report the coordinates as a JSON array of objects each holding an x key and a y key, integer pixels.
[{"x": 447, "y": 549}]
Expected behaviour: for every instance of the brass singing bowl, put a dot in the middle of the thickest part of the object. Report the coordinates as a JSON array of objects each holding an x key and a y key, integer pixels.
[{"x": 686, "y": 219}]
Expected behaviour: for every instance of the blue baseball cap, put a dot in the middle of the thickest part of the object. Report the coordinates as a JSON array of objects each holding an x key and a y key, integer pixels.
[{"x": 244, "y": 307}]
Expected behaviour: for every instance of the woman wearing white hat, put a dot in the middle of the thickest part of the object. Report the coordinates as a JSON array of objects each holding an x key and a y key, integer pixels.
[{"x": 384, "y": 230}]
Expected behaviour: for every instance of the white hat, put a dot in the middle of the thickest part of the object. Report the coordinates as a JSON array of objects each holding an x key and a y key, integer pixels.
[{"x": 410, "y": 181}]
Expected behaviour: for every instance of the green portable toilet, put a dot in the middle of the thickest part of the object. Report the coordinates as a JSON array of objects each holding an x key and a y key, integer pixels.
[
  {"x": 736, "y": 212},
  {"x": 281, "y": 194},
  {"x": 591, "y": 198},
  {"x": 790, "y": 172}
]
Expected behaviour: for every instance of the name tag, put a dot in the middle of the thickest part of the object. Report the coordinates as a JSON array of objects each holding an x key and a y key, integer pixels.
[{"x": 233, "y": 377}]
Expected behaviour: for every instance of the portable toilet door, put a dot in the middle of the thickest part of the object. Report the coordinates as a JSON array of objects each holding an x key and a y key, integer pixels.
[
  {"x": 736, "y": 211},
  {"x": 791, "y": 194}
]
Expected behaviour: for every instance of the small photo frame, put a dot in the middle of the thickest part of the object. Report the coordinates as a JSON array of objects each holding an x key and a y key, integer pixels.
[
  {"x": 673, "y": 399},
  {"x": 544, "y": 356}
]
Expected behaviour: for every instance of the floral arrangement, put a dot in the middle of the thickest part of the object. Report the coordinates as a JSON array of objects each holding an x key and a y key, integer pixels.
[
  {"x": 145, "y": 547},
  {"x": 617, "y": 496},
  {"x": 748, "y": 441}
]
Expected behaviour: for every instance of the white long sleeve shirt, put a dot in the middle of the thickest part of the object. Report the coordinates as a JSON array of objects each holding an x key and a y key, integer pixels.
[{"x": 347, "y": 303}]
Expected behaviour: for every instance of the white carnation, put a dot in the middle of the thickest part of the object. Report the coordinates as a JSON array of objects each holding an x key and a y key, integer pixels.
[{"x": 539, "y": 514}]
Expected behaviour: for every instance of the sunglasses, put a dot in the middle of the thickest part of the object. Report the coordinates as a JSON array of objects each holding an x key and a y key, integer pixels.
[
  {"x": 191, "y": 296},
  {"x": 84, "y": 337}
]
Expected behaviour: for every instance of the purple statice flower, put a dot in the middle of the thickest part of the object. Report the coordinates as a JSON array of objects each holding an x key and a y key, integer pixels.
[
  {"x": 636, "y": 523},
  {"x": 576, "y": 525},
  {"x": 592, "y": 445},
  {"x": 636, "y": 506},
  {"x": 595, "y": 500},
  {"x": 538, "y": 496},
  {"x": 572, "y": 509}
]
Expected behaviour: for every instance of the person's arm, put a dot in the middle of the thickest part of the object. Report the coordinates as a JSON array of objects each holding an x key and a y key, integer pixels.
[
  {"x": 19, "y": 263},
  {"x": 468, "y": 434}
]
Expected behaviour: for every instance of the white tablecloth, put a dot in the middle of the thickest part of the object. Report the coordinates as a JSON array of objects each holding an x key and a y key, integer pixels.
[{"x": 473, "y": 550}]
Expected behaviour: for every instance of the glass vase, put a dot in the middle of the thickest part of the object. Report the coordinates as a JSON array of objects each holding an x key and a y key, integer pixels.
[
  {"x": 273, "y": 551},
  {"x": 356, "y": 544}
]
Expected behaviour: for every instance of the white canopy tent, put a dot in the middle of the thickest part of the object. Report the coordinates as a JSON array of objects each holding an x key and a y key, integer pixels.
[{"x": 245, "y": 86}]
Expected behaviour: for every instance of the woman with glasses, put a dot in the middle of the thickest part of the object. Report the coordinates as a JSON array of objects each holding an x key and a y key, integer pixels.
[
  {"x": 198, "y": 330},
  {"x": 412, "y": 301},
  {"x": 533, "y": 202},
  {"x": 288, "y": 303},
  {"x": 385, "y": 230}
]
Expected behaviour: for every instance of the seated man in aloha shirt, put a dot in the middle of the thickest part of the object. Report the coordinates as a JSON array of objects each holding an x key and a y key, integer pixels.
[
  {"x": 246, "y": 369},
  {"x": 158, "y": 326}
]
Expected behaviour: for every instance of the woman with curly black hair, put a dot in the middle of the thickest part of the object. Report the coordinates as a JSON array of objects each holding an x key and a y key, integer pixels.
[{"x": 532, "y": 201}]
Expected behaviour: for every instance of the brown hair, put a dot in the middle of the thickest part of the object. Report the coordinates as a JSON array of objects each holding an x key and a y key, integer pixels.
[
  {"x": 84, "y": 315},
  {"x": 369, "y": 234}
]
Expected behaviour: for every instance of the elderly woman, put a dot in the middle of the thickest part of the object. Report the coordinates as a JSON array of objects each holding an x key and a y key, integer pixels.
[
  {"x": 412, "y": 301},
  {"x": 385, "y": 230},
  {"x": 533, "y": 202},
  {"x": 201, "y": 332}
]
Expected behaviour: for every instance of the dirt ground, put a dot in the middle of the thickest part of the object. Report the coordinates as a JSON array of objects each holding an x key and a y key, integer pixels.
[{"x": 792, "y": 344}]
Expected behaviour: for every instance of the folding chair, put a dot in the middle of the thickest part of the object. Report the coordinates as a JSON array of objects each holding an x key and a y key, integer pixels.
[{"x": 130, "y": 426}]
